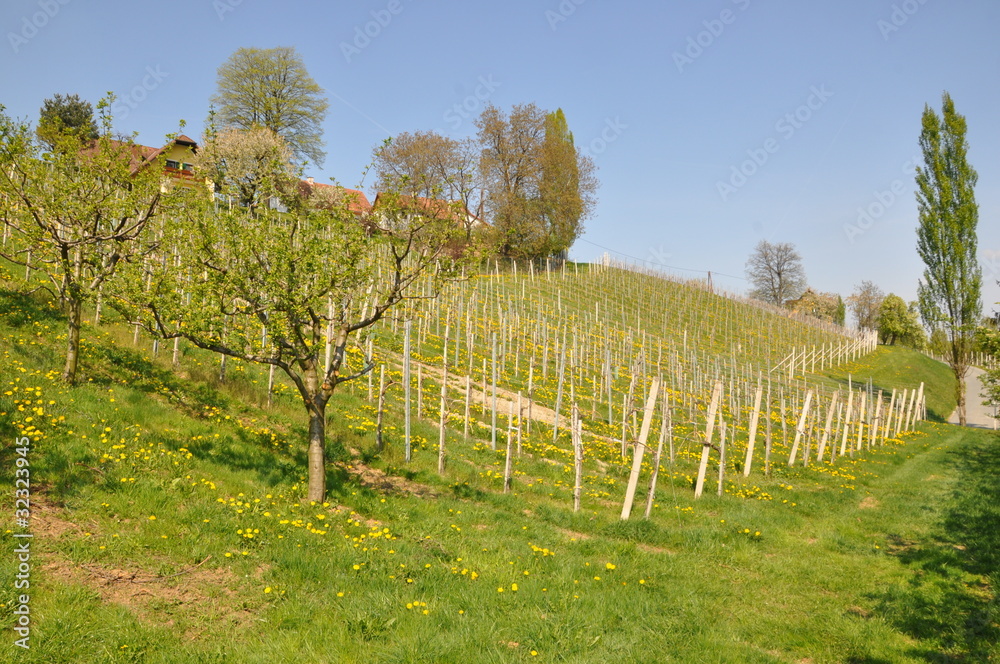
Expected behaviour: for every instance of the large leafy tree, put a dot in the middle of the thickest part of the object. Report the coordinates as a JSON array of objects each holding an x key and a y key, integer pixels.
[
  {"x": 270, "y": 87},
  {"x": 897, "y": 322},
  {"x": 511, "y": 167},
  {"x": 64, "y": 115},
  {"x": 278, "y": 284},
  {"x": 75, "y": 214},
  {"x": 866, "y": 302},
  {"x": 539, "y": 186},
  {"x": 427, "y": 164},
  {"x": 775, "y": 270},
  {"x": 949, "y": 293}
]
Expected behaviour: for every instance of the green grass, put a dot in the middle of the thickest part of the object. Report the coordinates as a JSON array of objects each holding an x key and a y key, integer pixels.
[
  {"x": 898, "y": 367},
  {"x": 890, "y": 556}
]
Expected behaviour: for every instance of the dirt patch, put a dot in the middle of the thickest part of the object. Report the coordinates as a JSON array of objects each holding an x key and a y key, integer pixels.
[
  {"x": 47, "y": 521},
  {"x": 574, "y": 535},
  {"x": 858, "y": 611},
  {"x": 649, "y": 548},
  {"x": 506, "y": 400},
  {"x": 868, "y": 503},
  {"x": 374, "y": 478},
  {"x": 195, "y": 590}
]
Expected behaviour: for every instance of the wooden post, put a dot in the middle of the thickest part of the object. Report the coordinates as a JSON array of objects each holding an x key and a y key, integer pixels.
[
  {"x": 444, "y": 402},
  {"x": 722, "y": 457},
  {"x": 468, "y": 404},
  {"x": 577, "y": 458},
  {"x": 519, "y": 412},
  {"x": 847, "y": 422},
  {"x": 640, "y": 448},
  {"x": 559, "y": 393},
  {"x": 270, "y": 386},
  {"x": 707, "y": 443},
  {"x": 664, "y": 426},
  {"x": 826, "y": 429},
  {"x": 381, "y": 408},
  {"x": 862, "y": 419},
  {"x": 493, "y": 429},
  {"x": 873, "y": 426},
  {"x": 510, "y": 443},
  {"x": 406, "y": 389},
  {"x": 887, "y": 427},
  {"x": 799, "y": 428},
  {"x": 902, "y": 412},
  {"x": 754, "y": 417}
]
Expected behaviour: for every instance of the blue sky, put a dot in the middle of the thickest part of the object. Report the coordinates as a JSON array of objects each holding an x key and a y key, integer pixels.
[{"x": 713, "y": 124}]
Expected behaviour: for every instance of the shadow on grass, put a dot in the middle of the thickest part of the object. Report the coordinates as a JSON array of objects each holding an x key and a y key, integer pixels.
[{"x": 949, "y": 603}]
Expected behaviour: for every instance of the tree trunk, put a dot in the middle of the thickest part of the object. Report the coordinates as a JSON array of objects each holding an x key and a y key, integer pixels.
[
  {"x": 317, "y": 453},
  {"x": 960, "y": 372},
  {"x": 75, "y": 310}
]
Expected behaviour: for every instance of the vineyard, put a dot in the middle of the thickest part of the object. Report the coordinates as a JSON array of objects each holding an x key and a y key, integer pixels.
[{"x": 480, "y": 479}]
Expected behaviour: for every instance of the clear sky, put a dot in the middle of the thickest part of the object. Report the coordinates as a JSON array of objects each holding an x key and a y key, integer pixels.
[{"x": 713, "y": 124}]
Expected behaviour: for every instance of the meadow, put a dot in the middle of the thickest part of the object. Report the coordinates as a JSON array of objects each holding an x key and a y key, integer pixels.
[{"x": 169, "y": 522}]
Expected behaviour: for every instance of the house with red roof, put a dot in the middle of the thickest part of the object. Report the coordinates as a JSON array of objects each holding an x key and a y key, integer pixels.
[
  {"x": 355, "y": 200},
  {"x": 434, "y": 208}
]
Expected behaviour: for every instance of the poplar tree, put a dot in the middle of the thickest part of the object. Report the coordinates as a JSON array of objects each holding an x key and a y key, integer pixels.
[
  {"x": 567, "y": 185},
  {"x": 949, "y": 293}
]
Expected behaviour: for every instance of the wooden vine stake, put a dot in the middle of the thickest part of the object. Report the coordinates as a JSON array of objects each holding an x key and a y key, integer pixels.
[
  {"x": 722, "y": 456},
  {"x": 444, "y": 401},
  {"x": 577, "y": 429},
  {"x": 847, "y": 423},
  {"x": 754, "y": 418},
  {"x": 800, "y": 428},
  {"x": 665, "y": 426},
  {"x": 406, "y": 390},
  {"x": 510, "y": 444},
  {"x": 829, "y": 423},
  {"x": 640, "y": 448},
  {"x": 707, "y": 443}
]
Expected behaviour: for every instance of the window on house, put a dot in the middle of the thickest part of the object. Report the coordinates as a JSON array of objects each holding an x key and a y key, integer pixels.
[{"x": 173, "y": 164}]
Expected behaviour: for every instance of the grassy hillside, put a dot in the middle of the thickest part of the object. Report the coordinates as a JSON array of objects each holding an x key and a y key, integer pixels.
[
  {"x": 897, "y": 367},
  {"x": 168, "y": 527}
]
